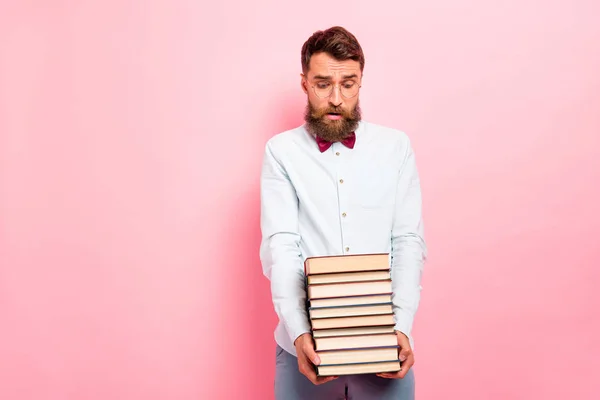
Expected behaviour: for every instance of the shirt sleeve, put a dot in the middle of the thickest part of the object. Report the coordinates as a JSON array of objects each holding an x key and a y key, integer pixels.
[
  {"x": 280, "y": 252},
  {"x": 408, "y": 252}
]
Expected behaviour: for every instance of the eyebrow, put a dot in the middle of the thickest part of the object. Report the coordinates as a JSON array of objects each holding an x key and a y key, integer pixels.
[{"x": 329, "y": 76}]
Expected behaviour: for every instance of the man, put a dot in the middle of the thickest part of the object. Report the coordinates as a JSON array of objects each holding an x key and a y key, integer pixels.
[{"x": 338, "y": 185}]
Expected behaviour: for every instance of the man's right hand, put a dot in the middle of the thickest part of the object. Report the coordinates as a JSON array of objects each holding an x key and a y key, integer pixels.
[{"x": 307, "y": 358}]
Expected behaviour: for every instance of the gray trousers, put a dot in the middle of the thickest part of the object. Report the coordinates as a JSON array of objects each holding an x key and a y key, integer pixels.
[{"x": 290, "y": 384}]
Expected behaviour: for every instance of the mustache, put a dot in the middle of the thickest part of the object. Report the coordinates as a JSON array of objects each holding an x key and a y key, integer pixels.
[{"x": 332, "y": 110}]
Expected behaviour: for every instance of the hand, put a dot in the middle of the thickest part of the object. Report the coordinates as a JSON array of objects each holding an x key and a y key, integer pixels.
[
  {"x": 307, "y": 358},
  {"x": 406, "y": 356}
]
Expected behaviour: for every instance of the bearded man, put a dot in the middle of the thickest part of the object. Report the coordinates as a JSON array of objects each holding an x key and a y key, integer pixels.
[{"x": 338, "y": 185}]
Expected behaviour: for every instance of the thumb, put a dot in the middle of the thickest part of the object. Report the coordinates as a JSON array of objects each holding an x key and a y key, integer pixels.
[
  {"x": 404, "y": 344},
  {"x": 310, "y": 352},
  {"x": 404, "y": 353}
]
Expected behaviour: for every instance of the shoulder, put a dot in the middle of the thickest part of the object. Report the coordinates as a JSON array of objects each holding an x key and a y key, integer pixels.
[
  {"x": 283, "y": 142},
  {"x": 381, "y": 135}
]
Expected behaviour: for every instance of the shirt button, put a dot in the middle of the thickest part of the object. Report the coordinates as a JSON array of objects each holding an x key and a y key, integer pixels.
[
  {"x": 341, "y": 181},
  {"x": 337, "y": 153},
  {"x": 347, "y": 248},
  {"x": 343, "y": 214}
]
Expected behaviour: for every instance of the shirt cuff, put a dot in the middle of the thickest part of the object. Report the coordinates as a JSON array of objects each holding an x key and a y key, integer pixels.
[{"x": 297, "y": 325}]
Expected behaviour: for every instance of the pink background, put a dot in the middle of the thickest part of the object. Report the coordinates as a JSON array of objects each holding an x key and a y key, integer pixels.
[{"x": 131, "y": 135}]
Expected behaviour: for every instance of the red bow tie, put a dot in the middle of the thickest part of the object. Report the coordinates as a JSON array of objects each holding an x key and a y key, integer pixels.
[{"x": 348, "y": 142}]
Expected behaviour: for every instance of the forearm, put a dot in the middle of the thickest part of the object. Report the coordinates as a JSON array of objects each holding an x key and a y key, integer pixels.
[
  {"x": 286, "y": 275},
  {"x": 406, "y": 271},
  {"x": 408, "y": 245}
]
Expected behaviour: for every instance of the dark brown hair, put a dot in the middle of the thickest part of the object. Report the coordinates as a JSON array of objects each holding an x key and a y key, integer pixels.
[{"x": 336, "y": 41}]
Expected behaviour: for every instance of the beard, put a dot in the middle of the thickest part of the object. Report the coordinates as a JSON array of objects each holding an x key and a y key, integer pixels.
[{"x": 318, "y": 124}]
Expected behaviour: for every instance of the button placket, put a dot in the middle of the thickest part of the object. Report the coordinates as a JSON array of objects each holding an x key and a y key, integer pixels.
[{"x": 341, "y": 190}]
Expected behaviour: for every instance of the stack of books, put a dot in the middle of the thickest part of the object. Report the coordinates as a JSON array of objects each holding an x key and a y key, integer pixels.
[{"x": 350, "y": 310}]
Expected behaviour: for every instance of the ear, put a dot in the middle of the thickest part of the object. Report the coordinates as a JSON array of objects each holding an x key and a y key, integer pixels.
[{"x": 304, "y": 83}]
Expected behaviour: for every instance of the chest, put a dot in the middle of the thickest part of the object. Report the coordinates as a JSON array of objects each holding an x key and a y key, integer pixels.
[{"x": 360, "y": 179}]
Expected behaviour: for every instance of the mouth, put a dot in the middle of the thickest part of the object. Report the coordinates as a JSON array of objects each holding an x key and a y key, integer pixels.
[{"x": 333, "y": 116}]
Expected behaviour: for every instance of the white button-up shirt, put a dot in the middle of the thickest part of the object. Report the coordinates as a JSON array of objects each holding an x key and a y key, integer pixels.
[{"x": 342, "y": 201}]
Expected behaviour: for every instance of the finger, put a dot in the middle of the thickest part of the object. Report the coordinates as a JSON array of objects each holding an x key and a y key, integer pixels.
[
  {"x": 389, "y": 375},
  {"x": 324, "y": 379},
  {"x": 308, "y": 370},
  {"x": 406, "y": 366},
  {"x": 404, "y": 346},
  {"x": 404, "y": 354},
  {"x": 319, "y": 380},
  {"x": 312, "y": 355}
]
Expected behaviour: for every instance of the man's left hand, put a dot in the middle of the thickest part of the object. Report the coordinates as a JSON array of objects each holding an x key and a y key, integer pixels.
[{"x": 406, "y": 356}]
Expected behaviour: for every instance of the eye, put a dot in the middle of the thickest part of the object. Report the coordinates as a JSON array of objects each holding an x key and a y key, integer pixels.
[
  {"x": 349, "y": 84},
  {"x": 323, "y": 85}
]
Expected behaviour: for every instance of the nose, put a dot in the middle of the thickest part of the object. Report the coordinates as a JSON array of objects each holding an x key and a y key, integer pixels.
[{"x": 336, "y": 97}]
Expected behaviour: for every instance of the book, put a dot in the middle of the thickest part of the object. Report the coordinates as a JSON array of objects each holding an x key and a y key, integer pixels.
[
  {"x": 350, "y": 322},
  {"x": 350, "y": 311},
  {"x": 356, "y": 331},
  {"x": 346, "y": 289},
  {"x": 355, "y": 356},
  {"x": 346, "y": 263},
  {"x": 349, "y": 303},
  {"x": 362, "y": 368},
  {"x": 348, "y": 277},
  {"x": 355, "y": 341}
]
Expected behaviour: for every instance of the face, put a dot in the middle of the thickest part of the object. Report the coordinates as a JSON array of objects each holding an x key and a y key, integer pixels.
[{"x": 334, "y": 117}]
